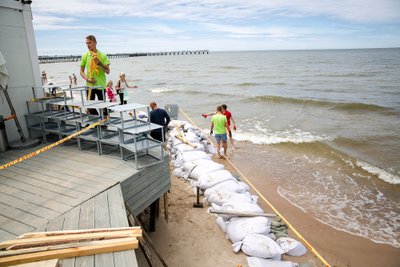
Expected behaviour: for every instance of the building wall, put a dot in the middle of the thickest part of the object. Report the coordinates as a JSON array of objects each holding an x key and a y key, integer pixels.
[{"x": 18, "y": 46}]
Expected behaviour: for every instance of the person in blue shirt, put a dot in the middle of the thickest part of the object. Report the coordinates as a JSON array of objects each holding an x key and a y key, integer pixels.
[{"x": 161, "y": 117}]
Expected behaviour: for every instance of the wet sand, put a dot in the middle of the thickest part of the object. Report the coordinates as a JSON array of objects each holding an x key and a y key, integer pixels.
[{"x": 337, "y": 247}]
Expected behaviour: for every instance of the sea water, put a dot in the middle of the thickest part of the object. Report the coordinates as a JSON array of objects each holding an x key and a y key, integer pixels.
[{"x": 331, "y": 116}]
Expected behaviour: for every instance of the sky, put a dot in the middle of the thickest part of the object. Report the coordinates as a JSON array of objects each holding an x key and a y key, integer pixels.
[{"x": 216, "y": 25}]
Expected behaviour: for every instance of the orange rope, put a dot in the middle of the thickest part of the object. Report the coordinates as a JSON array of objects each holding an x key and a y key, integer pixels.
[
  {"x": 313, "y": 250},
  {"x": 37, "y": 152}
]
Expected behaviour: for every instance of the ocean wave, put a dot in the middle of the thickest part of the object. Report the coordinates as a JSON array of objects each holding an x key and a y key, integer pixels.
[
  {"x": 380, "y": 173},
  {"x": 231, "y": 67},
  {"x": 294, "y": 136},
  {"x": 351, "y": 106},
  {"x": 348, "y": 75},
  {"x": 162, "y": 90},
  {"x": 246, "y": 84},
  {"x": 349, "y": 215}
]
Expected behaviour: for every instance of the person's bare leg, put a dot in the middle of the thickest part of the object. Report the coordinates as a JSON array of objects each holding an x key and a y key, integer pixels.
[
  {"x": 225, "y": 145},
  {"x": 218, "y": 149},
  {"x": 231, "y": 139}
]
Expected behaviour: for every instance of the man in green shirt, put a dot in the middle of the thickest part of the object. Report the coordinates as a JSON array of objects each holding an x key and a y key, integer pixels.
[
  {"x": 96, "y": 65},
  {"x": 219, "y": 126}
]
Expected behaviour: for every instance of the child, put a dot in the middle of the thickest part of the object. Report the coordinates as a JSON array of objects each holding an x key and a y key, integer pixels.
[
  {"x": 122, "y": 87},
  {"x": 110, "y": 92}
]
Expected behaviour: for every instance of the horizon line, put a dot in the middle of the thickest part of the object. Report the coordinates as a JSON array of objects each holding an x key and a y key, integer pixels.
[{"x": 250, "y": 50}]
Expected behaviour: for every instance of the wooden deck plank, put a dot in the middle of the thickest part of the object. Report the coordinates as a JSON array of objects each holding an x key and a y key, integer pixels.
[
  {"x": 33, "y": 198},
  {"x": 39, "y": 183},
  {"x": 28, "y": 207},
  {"x": 37, "y": 165},
  {"x": 56, "y": 224},
  {"x": 118, "y": 218},
  {"x": 147, "y": 196},
  {"x": 102, "y": 220},
  {"x": 21, "y": 216},
  {"x": 13, "y": 227},
  {"x": 86, "y": 221},
  {"x": 65, "y": 181},
  {"x": 130, "y": 186},
  {"x": 55, "y": 156},
  {"x": 112, "y": 160},
  {"x": 137, "y": 183},
  {"x": 39, "y": 191},
  {"x": 71, "y": 222},
  {"x": 4, "y": 235}
]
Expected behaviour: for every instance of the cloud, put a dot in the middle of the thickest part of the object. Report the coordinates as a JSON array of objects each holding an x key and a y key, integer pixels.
[
  {"x": 255, "y": 31},
  {"x": 156, "y": 25},
  {"x": 222, "y": 10}
]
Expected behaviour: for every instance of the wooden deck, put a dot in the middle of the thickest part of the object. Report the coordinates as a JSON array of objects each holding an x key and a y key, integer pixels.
[
  {"x": 65, "y": 188},
  {"x": 101, "y": 211}
]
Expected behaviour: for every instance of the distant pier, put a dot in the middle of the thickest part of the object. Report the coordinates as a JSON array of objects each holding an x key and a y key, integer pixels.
[{"x": 76, "y": 58}]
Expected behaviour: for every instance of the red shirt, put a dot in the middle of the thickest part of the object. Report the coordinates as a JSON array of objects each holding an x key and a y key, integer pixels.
[{"x": 228, "y": 116}]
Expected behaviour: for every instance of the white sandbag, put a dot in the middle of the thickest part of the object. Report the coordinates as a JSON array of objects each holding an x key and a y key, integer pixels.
[
  {"x": 178, "y": 172},
  {"x": 221, "y": 223},
  {"x": 222, "y": 196},
  {"x": 204, "y": 169},
  {"x": 244, "y": 185},
  {"x": 175, "y": 141},
  {"x": 241, "y": 207},
  {"x": 191, "y": 164},
  {"x": 258, "y": 246},
  {"x": 291, "y": 246},
  {"x": 259, "y": 262},
  {"x": 188, "y": 126},
  {"x": 192, "y": 155},
  {"x": 192, "y": 137},
  {"x": 210, "y": 179},
  {"x": 176, "y": 123},
  {"x": 229, "y": 185},
  {"x": 184, "y": 147},
  {"x": 238, "y": 228},
  {"x": 211, "y": 149}
]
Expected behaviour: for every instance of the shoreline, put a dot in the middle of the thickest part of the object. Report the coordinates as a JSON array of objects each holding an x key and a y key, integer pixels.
[{"x": 338, "y": 247}]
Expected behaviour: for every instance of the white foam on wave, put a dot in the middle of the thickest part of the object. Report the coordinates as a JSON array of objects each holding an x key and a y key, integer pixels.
[
  {"x": 382, "y": 174},
  {"x": 161, "y": 90},
  {"x": 368, "y": 213},
  {"x": 263, "y": 136}
]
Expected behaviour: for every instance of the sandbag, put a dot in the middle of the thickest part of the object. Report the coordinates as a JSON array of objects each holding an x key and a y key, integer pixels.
[
  {"x": 175, "y": 123},
  {"x": 211, "y": 149},
  {"x": 240, "y": 207},
  {"x": 188, "y": 126},
  {"x": 192, "y": 137},
  {"x": 257, "y": 245},
  {"x": 291, "y": 246},
  {"x": 178, "y": 172},
  {"x": 204, "y": 169},
  {"x": 184, "y": 147},
  {"x": 221, "y": 223},
  {"x": 238, "y": 228},
  {"x": 192, "y": 155},
  {"x": 259, "y": 262},
  {"x": 229, "y": 185},
  {"x": 210, "y": 179},
  {"x": 223, "y": 196}
]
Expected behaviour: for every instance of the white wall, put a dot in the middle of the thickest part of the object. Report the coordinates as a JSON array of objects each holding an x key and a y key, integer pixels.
[{"x": 18, "y": 46}]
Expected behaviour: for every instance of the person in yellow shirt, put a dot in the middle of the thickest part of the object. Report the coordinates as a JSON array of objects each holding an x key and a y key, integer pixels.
[
  {"x": 219, "y": 126},
  {"x": 97, "y": 65}
]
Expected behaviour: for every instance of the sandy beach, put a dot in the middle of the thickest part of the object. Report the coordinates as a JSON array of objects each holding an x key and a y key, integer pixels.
[{"x": 192, "y": 237}]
